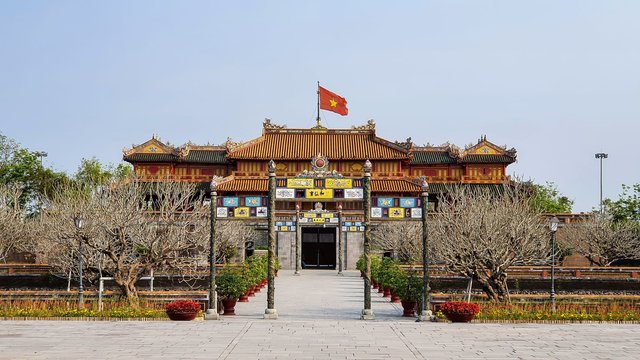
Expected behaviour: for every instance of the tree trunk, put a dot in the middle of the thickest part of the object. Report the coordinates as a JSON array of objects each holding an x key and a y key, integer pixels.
[
  {"x": 128, "y": 288},
  {"x": 495, "y": 286}
]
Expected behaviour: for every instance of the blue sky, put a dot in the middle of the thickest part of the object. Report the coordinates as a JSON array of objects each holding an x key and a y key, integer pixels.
[{"x": 557, "y": 80}]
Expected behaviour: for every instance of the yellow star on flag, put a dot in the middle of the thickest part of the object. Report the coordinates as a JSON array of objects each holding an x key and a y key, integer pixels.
[{"x": 333, "y": 102}]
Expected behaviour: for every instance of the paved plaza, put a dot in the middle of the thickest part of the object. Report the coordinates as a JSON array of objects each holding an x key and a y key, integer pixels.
[{"x": 318, "y": 319}]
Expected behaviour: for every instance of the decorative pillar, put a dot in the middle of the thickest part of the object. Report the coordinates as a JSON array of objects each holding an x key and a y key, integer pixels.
[
  {"x": 367, "y": 313},
  {"x": 212, "y": 310},
  {"x": 270, "y": 312},
  {"x": 340, "y": 239},
  {"x": 298, "y": 236},
  {"x": 425, "y": 314}
]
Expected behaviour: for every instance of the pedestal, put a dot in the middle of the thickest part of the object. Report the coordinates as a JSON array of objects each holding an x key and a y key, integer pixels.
[
  {"x": 210, "y": 314},
  {"x": 270, "y": 314},
  {"x": 425, "y": 316},
  {"x": 367, "y": 314}
]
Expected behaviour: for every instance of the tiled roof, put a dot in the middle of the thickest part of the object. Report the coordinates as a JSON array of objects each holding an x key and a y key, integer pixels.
[
  {"x": 476, "y": 158},
  {"x": 440, "y": 188},
  {"x": 387, "y": 186},
  {"x": 150, "y": 157},
  {"x": 205, "y": 156},
  {"x": 305, "y": 144},
  {"x": 245, "y": 185},
  {"x": 432, "y": 157},
  {"x": 193, "y": 156}
]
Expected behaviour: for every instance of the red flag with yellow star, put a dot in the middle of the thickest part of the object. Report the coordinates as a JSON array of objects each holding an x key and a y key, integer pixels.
[{"x": 332, "y": 102}]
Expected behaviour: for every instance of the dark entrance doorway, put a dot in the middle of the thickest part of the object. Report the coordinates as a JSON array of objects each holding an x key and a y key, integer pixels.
[{"x": 318, "y": 248}]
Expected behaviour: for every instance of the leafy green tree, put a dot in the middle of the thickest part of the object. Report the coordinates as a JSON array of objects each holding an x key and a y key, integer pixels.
[
  {"x": 91, "y": 171},
  {"x": 547, "y": 199},
  {"x": 23, "y": 169},
  {"x": 627, "y": 207}
]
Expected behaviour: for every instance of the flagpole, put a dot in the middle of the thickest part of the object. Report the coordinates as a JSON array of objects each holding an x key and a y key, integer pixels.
[{"x": 318, "y": 118}]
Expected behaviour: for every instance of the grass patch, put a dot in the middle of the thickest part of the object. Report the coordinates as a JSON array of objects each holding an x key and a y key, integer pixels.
[
  {"x": 20, "y": 308},
  {"x": 565, "y": 311}
]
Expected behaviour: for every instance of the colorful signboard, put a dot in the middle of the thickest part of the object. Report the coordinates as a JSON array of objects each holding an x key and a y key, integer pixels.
[
  {"x": 253, "y": 201},
  {"x": 297, "y": 183},
  {"x": 230, "y": 201},
  {"x": 285, "y": 193},
  {"x": 314, "y": 188},
  {"x": 319, "y": 193},
  {"x": 338, "y": 183},
  {"x": 385, "y": 202}
]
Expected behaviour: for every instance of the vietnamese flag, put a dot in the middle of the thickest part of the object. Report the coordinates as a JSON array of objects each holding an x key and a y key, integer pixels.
[{"x": 332, "y": 102}]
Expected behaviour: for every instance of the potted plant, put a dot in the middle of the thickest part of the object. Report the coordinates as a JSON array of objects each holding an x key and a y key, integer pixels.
[
  {"x": 375, "y": 272},
  {"x": 409, "y": 289},
  {"x": 231, "y": 284},
  {"x": 389, "y": 271},
  {"x": 360, "y": 265},
  {"x": 182, "y": 310},
  {"x": 460, "y": 311}
]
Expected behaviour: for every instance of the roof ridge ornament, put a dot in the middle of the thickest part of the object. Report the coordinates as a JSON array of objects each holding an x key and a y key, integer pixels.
[
  {"x": 370, "y": 125},
  {"x": 267, "y": 125}
]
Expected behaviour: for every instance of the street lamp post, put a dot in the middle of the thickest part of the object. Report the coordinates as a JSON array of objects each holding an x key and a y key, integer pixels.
[
  {"x": 79, "y": 221},
  {"x": 340, "y": 260},
  {"x": 553, "y": 226},
  {"x": 298, "y": 235},
  {"x": 367, "y": 312},
  {"x": 601, "y": 156},
  {"x": 212, "y": 310},
  {"x": 270, "y": 312},
  {"x": 425, "y": 314}
]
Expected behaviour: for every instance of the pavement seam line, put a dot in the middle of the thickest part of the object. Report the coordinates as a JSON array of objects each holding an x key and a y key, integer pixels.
[
  {"x": 412, "y": 348},
  {"x": 232, "y": 345}
]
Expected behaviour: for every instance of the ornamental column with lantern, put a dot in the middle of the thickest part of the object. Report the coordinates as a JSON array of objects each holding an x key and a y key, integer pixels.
[
  {"x": 212, "y": 310},
  {"x": 270, "y": 312},
  {"x": 367, "y": 312},
  {"x": 425, "y": 314}
]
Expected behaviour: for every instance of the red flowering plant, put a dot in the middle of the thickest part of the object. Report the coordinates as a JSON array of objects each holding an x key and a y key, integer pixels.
[
  {"x": 183, "y": 306},
  {"x": 460, "y": 311}
]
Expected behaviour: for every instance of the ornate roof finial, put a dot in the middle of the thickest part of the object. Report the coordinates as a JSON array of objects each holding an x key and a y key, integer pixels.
[{"x": 272, "y": 166}]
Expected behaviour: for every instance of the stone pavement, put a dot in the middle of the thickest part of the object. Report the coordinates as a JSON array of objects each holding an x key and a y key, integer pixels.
[{"x": 318, "y": 319}]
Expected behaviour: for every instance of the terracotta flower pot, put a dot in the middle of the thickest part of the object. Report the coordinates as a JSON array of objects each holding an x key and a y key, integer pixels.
[
  {"x": 387, "y": 292},
  {"x": 459, "y": 317},
  {"x": 380, "y": 289},
  {"x": 182, "y": 316},
  {"x": 395, "y": 299},
  {"x": 229, "y": 306},
  {"x": 375, "y": 284},
  {"x": 245, "y": 297},
  {"x": 409, "y": 307}
]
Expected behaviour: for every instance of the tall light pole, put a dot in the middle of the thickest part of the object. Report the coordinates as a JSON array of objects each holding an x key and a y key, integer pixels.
[
  {"x": 79, "y": 221},
  {"x": 367, "y": 312},
  {"x": 425, "y": 314},
  {"x": 601, "y": 156},
  {"x": 553, "y": 226},
  {"x": 212, "y": 310},
  {"x": 41, "y": 154}
]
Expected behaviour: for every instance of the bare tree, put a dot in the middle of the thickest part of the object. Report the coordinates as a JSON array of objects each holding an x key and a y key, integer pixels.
[
  {"x": 130, "y": 228},
  {"x": 480, "y": 235},
  {"x": 601, "y": 240},
  {"x": 404, "y": 238},
  {"x": 13, "y": 224}
]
